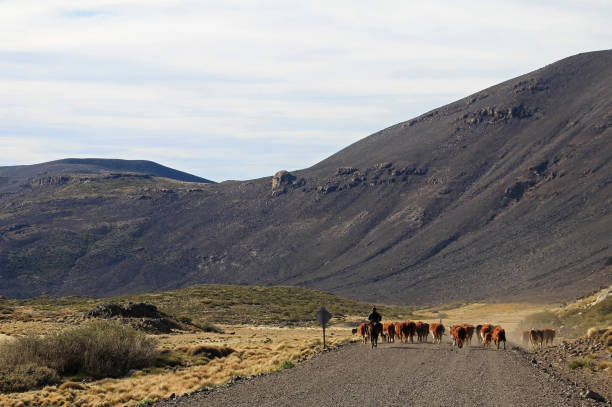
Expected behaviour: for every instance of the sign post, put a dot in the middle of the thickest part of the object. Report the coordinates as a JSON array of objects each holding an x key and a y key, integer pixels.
[{"x": 323, "y": 316}]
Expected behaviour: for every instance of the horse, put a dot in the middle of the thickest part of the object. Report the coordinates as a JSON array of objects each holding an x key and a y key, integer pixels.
[{"x": 375, "y": 329}]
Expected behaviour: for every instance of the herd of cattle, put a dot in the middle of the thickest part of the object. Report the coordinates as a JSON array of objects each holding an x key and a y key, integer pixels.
[
  {"x": 460, "y": 334},
  {"x": 538, "y": 337}
]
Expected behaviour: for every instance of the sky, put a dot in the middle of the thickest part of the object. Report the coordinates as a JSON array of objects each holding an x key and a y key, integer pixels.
[{"x": 241, "y": 89}]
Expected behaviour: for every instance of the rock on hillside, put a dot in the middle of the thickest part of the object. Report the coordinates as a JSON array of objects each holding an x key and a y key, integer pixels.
[{"x": 504, "y": 194}]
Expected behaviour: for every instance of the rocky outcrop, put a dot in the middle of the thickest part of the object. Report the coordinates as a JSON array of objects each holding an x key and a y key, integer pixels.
[
  {"x": 283, "y": 181},
  {"x": 132, "y": 310},
  {"x": 517, "y": 190},
  {"x": 380, "y": 174},
  {"x": 54, "y": 180},
  {"x": 531, "y": 85},
  {"x": 141, "y": 316},
  {"x": 494, "y": 114}
]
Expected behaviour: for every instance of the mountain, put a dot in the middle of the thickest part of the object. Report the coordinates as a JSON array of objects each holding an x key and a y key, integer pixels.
[
  {"x": 13, "y": 177},
  {"x": 505, "y": 194}
]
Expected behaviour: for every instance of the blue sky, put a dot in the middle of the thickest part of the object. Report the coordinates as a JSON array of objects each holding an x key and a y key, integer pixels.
[{"x": 240, "y": 89}]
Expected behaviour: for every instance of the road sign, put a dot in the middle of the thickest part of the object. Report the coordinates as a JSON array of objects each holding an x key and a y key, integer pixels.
[{"x": 323, "y": 316}]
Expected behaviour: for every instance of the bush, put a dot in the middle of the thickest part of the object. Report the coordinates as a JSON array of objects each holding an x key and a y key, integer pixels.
[
  {"x": 98, "y": 349},
  {"x": 287, "y": 364},
  {"x": 209, "y": 351},
  {"x": 25, "y": 377},
  {"x": 606, "y": 338},
  {"x": 581, "y": 362},
  {"x": 209, "y": 327}
]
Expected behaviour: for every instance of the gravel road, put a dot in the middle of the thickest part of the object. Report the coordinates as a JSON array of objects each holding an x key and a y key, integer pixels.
[{"x": 397, "y": 375}]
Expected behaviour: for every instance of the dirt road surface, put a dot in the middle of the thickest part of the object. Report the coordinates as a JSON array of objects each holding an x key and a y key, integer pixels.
[{"x": 398, "y": 375}]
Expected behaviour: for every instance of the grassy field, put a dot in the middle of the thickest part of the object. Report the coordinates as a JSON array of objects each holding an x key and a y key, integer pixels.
[
  {"x": 227, "y": 304},
  {"x": 255, "y": 350}
]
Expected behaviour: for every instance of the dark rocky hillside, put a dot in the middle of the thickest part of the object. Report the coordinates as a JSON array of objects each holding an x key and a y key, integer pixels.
[
  {"x": 504, "y": 194},
  {"x": 14, "y": 177}
]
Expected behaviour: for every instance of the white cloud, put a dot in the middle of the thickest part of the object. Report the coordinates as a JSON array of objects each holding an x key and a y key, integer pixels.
[{"x": 178, "y": 74}]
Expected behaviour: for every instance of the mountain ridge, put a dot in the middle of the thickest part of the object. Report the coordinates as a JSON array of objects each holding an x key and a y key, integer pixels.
[
  {"x": 13, "y": 177},
  {"x": 503, "y": 194}
]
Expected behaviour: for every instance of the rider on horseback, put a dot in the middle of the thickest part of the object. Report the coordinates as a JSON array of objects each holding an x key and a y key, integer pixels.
[
  {"x": 374, "y": 316},
  {"x": 375, "y": 327}
]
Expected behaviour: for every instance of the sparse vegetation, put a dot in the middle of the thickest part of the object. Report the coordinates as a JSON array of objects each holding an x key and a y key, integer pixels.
[
  {"x": 97, "y": 349},
  {"x": 25, "y": 377},
  {"x": 286, "y": 364},
  {"x": 209, "y": 351},
  {"x": 581, "y": 363},
  {"x": 606, "y": 338},
  {"x": 209, "y": 327},
  {"x": 207, "y": 305}
]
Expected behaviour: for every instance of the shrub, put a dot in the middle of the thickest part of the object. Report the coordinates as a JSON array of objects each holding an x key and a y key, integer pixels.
[
  {"x": 581, "y": 362},
  {"x": 71, "y": 386},
  {"x": 25, "y": 377},
  {"x": 210, "y": 351},
  {"x": 287, "y": 364},
  {"x": 606, "y": 338},
  {"x": 98, "y": 349},
  {"x": 209, "y": 327},
  {"x": 167, "y": 358}
]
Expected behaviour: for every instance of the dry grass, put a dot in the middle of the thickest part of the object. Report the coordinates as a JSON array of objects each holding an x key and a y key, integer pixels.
[{"x": 256, "y": 350}]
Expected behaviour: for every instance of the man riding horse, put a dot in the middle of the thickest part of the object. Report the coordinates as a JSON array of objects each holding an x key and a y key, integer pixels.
[{"x": 375, "y": 326}]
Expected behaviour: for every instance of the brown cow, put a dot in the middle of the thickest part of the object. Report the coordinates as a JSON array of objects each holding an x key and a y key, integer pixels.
[
  {"x": 408, "y": 331},
  {"x": 486, "y": 338},
  {"x": 536, "y": 338},
  {"x": 363, "y": 331},
  {"x": 548, "y": 335},
  {"x": 486, "y": 328},
  {"x": 525, "y": 337},
  {"x": 470, "y": 332},
  {"x": 437, "y": 330},
  {"x": 398, "y": 330},
  {"x": 459, "y": 334},
  {"x": 499, "y": 335},
  {"x": 422, "y": 331},
  {"x": 389, "y": 330}
]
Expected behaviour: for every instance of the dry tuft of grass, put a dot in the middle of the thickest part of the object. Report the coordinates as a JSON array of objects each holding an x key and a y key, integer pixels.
[
  {"x": 71, "y": 386},
  {"x": 581, "y": 363},
  {"x": 209, "y": 351},
  {"x": 25, "y": 377}
]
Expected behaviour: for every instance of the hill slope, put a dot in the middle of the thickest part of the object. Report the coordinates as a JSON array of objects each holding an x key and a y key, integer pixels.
[
  {"x": 13, "y": 177},
  {"x": 504, "y": 194}
]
